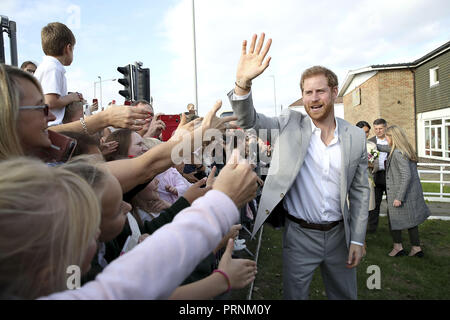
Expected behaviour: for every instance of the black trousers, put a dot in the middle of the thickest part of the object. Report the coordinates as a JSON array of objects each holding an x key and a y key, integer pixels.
[
  {"x": 413, "y": 236},
  {"x": 380, "y": 188}
]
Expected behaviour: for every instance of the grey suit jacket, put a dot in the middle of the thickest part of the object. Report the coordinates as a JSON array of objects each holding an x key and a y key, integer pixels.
[{"x": 289, "y": 151}]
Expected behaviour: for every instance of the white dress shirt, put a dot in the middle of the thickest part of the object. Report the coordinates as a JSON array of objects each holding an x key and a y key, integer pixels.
[
  {"x": 51, "y": 75},
  {"x": 315, "y": 195},
  {"x": 383, "y": 155}
]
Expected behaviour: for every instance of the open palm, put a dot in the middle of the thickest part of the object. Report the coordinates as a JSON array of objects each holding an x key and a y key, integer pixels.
[{"x": 254, "y": 62}]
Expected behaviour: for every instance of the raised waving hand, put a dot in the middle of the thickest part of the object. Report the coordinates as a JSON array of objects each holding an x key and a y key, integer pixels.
[{"x": 252, "y": 63}]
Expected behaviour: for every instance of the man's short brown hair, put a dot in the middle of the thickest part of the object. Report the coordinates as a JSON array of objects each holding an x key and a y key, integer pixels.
[
  {"x": 55, "y": 37},
  {"x": 316, "y": 70}
]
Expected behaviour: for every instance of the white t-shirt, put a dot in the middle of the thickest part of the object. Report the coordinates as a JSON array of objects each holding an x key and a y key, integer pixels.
[
  {"x": 51, "y": 75},
  {"x": 383, "y": 155}
]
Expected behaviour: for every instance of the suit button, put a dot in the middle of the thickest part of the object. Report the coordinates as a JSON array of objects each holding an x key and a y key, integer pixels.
[
  {"x": 282, "y": 195},
  {"x": 267, "y": 211}
]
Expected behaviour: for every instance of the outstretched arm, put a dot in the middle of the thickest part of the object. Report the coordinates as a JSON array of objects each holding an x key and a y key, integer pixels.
[
  {"x": 132, "y": 118},
  {"x": 140, "y": 170}
]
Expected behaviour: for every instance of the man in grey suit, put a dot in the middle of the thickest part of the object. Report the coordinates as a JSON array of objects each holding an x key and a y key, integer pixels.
[{"x": 318, "y": 172}]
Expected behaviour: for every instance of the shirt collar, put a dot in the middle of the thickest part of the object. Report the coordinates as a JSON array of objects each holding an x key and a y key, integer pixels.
[
  {"x": 55, "y": 61},
  {"x": 314, "y": 128}
]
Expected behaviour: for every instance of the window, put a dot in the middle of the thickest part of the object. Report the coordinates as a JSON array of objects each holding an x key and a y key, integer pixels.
[
  {"x": 437, "y": 138},
  {"x": 434, "y": 76},
  {"x": 356, "y": 97}
]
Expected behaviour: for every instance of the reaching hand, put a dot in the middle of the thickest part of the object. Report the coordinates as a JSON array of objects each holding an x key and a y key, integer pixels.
[
  {"x": 211, "y": 121},
  {"x": 108, "y": 147},
  {"x": 93, "y": 107},
  {"x": 185, "y": 127},
  {"x": 240, "y": 271},
  {"x": 196, "y": 191},
  {"x": 172, "y": 190},
  {"x": 156, "y": 127},
  {"x": 237, "y": 180},
  {"x": 190, "y": 177},
  {"x": 132, "y": 118},
  {"x": 211, "y": 177},
  {"x": 253, "y": 63}
]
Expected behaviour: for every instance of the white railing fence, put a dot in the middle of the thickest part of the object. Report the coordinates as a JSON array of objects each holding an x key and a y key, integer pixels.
[{"x": 429, "y": 173}]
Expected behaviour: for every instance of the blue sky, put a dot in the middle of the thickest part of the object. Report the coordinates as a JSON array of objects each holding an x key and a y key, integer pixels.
[{"x": 342, "y": 35}]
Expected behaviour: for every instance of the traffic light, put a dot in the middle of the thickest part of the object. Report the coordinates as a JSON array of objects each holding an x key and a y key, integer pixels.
[
  {"x": 142, "y": 88},
  {"x": 127, "y": 81}
]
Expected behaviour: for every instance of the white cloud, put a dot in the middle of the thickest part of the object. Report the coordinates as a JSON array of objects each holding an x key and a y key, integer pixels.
[{"x": 342, "y": 35}]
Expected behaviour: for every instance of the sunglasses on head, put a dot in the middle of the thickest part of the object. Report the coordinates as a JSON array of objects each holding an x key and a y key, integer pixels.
[{"x": 43, "y": 107}]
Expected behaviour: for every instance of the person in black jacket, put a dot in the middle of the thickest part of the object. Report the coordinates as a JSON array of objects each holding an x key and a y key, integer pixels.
[{"x": 379, "y": 173}]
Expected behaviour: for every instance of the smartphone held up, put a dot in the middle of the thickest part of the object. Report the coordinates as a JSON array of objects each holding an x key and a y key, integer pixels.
[{"x": 171, "y": 121}]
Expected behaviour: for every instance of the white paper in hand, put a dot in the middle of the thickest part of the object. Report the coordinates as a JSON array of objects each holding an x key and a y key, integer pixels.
[{"x": 132, "y": 240}]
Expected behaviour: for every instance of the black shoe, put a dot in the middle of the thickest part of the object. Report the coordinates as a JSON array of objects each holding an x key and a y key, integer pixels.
[
  {"x": 419, "y": 254},
  {"x": 401, "y": 253}
]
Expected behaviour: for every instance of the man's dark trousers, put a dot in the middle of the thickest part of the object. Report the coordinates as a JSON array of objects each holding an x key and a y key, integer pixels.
[{"x": 380, "y": 187}]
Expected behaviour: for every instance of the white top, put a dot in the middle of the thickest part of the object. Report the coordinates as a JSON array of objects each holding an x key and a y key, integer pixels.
[
  {"x": 383, "y": 155},
  {"x": 51, "y": 75},
  {"x": 158, "y": 265},
  {"x": 315, "y": 195}
]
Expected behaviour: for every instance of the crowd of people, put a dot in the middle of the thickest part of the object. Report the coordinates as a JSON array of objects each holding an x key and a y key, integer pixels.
[{"x": 103, "y": 193}]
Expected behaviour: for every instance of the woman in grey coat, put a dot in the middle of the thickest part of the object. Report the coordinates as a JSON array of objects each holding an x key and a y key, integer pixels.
[{"x": 407, "y": 208}]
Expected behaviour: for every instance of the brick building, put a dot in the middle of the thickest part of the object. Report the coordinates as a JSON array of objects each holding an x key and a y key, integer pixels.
[{"x": 414, "y": 96}]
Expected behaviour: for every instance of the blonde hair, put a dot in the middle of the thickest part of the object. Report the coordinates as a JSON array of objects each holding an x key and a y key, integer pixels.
[
  {"x": 48, "y": 218},
  {"x": 11, "y": 94},
  {"x": 89, "y": 168},
  {"x": 400, "y": 142}
]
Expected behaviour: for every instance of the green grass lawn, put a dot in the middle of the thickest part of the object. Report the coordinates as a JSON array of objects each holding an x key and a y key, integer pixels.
[
  {"x": 434, "y": 187},
  {"x": 401, "y": 278}
]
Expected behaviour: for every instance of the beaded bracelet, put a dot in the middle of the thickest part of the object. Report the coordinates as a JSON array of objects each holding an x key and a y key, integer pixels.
[
  {"x": 226, "y": 277},
  {"x": 83, "y": 124}
]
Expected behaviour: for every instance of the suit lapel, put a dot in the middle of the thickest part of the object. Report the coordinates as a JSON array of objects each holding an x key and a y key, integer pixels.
[
  {"x": 288, "y": 156},
  {"x": 304, "y": 142},
  {"x": 345, "y": 144}
]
